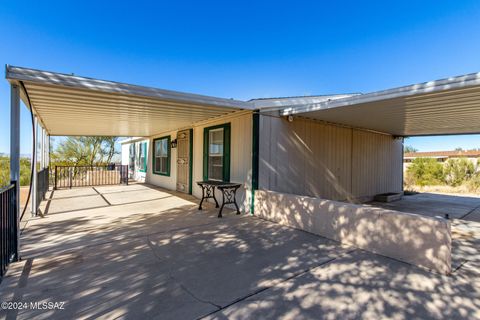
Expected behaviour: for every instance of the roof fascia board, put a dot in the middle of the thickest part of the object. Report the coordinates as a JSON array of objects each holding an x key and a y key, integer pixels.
[
  {"x": 275, "y": 104},
  {"x": 24, "y": 99},
  {"x": 460, "y": 82},
  {"x": 72, "y": 81}
]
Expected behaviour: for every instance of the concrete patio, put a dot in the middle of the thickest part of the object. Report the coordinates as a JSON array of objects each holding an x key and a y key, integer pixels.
[{"x": 138, "y": 251}]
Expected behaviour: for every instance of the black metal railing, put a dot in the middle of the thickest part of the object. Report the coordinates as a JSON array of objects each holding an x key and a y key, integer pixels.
[
  {"x": 84, "y": 176},
  {"x": 42, "y": 185},
  {"x": 8, "y": 225}
]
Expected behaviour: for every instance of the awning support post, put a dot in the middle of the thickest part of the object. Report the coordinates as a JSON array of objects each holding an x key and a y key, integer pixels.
[
  {"x": 35, "y": 171},
  {"x": 42, "y": 148},
  {"x": 15, "y": 155},
  {"x": 48, "y": 151}
]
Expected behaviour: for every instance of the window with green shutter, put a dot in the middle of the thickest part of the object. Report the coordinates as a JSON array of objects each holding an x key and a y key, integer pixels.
[
  {"x": 161, "y": 156},
  {"x": 216, "y": 153}
]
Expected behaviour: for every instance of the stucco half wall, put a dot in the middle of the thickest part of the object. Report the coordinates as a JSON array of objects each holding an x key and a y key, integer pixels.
[{"x": 418, "y": 240}]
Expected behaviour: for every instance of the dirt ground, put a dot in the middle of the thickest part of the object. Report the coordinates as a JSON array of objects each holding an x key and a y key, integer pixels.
[{"x": 448, "y": 190}]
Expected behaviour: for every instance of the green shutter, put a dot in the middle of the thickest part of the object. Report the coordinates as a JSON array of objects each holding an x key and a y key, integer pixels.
[
  {"x": 154, "y": 159},
  {"x": 226, "y": 151},
  {"x": 169, "y": 149},
  {"x": 205, "y": 154},
  {"x": 190, "y": 162},
  {"x": 255, "y": 157}
]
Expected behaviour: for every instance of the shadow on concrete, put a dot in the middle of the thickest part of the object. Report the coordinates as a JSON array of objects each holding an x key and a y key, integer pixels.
[{"x": 164, "y": 259}]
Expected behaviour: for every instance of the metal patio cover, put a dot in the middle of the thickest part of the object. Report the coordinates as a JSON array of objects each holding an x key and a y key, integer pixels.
[
  {"x": 72, "y": 105},
  {"x": 447, "y": 106}
]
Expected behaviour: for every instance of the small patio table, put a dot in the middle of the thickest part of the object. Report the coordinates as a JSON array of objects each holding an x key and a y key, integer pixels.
[{"x": 228, "y": 189}]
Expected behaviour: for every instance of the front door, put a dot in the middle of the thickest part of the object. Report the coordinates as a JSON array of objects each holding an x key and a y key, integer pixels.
[{"x": 184, "y": 161}]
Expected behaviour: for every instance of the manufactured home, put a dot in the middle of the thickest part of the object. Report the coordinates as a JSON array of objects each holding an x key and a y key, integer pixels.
[
  {"x": 305, "y": 162},
  {"x": 296, "y": 155}
]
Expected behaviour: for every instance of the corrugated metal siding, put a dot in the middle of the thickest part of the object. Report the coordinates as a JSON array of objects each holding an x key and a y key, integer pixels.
[
  {"x": 377, "y": 164},
  {"x": 317, "y": 159}
]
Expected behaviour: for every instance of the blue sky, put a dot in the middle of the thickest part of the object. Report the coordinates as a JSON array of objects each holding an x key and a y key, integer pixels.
[{"x": 245, "y": 49}]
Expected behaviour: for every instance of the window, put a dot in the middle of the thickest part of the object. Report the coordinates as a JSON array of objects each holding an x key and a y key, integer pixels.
[
  {"x": 216, "y": 162},
  {"x": 161, "y": 156},
  {"x": 142, "y": 157}
]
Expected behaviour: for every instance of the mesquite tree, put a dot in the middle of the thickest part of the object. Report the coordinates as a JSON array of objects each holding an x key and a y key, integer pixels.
[{"x": 85, "y": 151}]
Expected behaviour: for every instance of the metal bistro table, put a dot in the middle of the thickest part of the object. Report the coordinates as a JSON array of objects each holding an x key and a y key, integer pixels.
[{"x": 228, "y": 190}]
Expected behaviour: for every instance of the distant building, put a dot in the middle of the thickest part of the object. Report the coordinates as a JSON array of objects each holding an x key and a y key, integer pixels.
[{"x": 442, "y": 156}]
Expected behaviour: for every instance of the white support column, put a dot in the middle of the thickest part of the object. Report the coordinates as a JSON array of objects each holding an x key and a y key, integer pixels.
[
  {"x": 48, "y": 150},
  {"x": 42, "y": 147},
  {"x": 15, "y": 152},
  {"x": 35, "y": 171}
]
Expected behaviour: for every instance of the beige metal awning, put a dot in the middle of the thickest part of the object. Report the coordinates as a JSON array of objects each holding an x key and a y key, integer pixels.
[
  {"x": 448, "y": 106},
  {"x": 72, "y": 105}
]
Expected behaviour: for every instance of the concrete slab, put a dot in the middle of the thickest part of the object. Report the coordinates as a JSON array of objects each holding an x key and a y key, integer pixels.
[
  {"x": 135, "y": 196},
  {"x": 164, "y": 259},
  {"x": 362, "y": 285},
  {"x": 74, "y": 192},
  {"x": 433, "y": 204},
  {"x": 68, "y": 204},
  {"x": 153, "y": 259},
  {"x": 224, "y": 262}
]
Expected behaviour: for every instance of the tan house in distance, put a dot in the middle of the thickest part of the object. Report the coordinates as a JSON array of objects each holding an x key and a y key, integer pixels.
[{"x": 441, "y": 156}]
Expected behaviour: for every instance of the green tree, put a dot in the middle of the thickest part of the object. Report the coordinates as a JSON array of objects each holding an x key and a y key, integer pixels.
[
  {"x": 87, "y": 151},
  {"x": 25, "y": 169},
  {"x": 458, "y": 171},
  {"x": 408, "y": 149},
  {"x": 425, "y": 171}
]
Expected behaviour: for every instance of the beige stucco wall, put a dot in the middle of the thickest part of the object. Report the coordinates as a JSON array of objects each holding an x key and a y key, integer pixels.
[
  {"x": 313, "y": 158},
  {"x": 415, "y": 239}
]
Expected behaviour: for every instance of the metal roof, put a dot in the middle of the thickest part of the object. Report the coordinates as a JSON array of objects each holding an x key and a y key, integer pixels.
[
  {"x": 447, "y": 106},
  {"x": 282, "y": 102},
  {"x": 72, "y": 105}
]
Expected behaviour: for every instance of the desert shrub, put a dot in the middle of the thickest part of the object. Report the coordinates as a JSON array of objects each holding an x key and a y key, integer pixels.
[
  {"x": 425, "y": 171},
  {"x": 458, "y": 171},
  {"x": 473, "y": 184},
  {"x": 5, "y": 171}
]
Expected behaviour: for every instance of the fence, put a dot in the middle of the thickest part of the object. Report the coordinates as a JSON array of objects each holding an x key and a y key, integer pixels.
[
  {"x": 42, "y": 185},
  {"x": 8, "y": 225},
  {"x": 84, "y": 176}
]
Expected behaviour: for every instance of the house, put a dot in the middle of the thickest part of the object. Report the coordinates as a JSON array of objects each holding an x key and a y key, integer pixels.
[
  {"x": 296, "y": 155},
  {"x": 305, "y": 162},
  {"x": 442, "y": 156}
]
